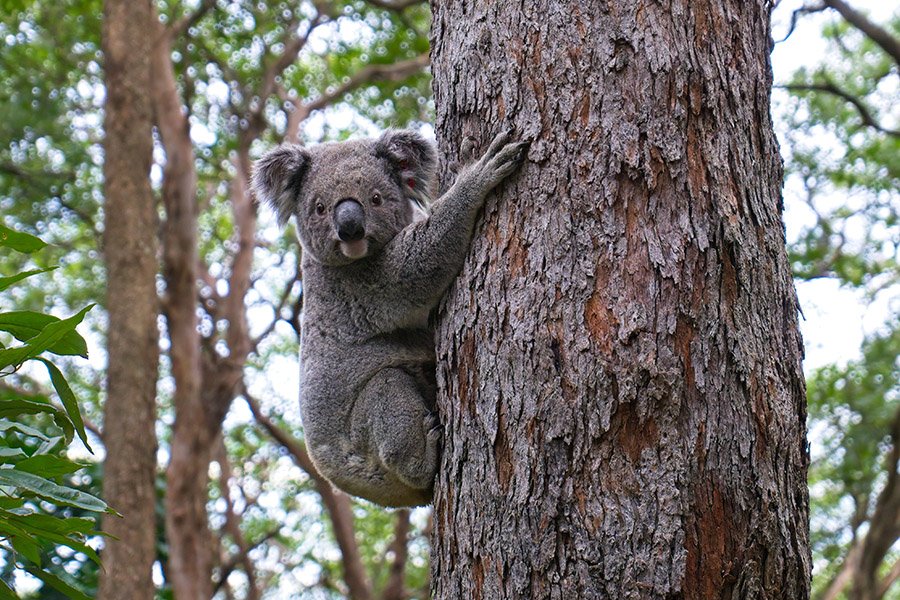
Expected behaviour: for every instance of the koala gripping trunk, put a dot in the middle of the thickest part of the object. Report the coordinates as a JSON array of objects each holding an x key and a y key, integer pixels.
[{"x": 619, "y": 361}]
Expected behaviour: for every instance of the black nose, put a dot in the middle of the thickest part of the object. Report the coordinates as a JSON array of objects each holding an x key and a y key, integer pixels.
[{"x": 349, "y": 220}]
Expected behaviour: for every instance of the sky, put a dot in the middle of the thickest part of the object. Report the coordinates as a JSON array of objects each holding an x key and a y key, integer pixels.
[{"x": 834, "y": 320}]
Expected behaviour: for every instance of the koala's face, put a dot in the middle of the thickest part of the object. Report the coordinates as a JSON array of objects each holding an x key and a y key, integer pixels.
[{"x": 350, "y": 199}]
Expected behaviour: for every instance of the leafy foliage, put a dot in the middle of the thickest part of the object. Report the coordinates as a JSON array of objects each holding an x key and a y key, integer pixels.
[
  {"x": 842, "y": 127},
  {"x": 843, "y": 133},
  {"x": 35, "y": 433}
]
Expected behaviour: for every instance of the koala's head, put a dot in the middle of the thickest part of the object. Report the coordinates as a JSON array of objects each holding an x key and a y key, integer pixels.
[{"x": 349, "y": 198}]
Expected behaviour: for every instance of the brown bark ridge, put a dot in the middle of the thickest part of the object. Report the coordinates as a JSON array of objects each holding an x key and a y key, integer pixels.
[
  {"x": 619, "y": 361},
  {"x": 132, "y": 344},
  {"x": 190, "y": 545}
]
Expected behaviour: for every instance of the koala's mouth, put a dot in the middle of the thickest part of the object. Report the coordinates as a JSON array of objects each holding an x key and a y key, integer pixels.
[{"x": 356, "y": 249}]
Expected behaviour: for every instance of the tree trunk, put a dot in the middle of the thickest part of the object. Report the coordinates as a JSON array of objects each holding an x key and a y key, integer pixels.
[
  {"x": 187, "y": 532},
  {"x": 130, "y": 252},
  {"x": 619, "y": 362}
]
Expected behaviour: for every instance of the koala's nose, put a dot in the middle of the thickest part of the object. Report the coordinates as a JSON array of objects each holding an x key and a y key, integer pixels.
[{"x": 349, "y": 220}]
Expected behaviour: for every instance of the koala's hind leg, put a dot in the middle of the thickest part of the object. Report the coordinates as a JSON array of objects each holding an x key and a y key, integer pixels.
[{"x": 405, "y": 432}]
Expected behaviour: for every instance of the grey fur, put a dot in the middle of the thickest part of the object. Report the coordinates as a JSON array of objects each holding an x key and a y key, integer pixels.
[{"x": 367, "y": 351}]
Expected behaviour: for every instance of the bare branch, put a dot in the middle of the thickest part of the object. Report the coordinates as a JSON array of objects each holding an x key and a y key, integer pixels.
[
  {"x": 394, "y": 589},
  {"x": 176, "y": 28},
  {"x": 232, "y": 523},
  {"x": 285, "y": 295},
  {"x": 884, "y": 527},
  {"x": 880, "y": 36},
  {"x": 397, "y": 5},
  {"x": 885, "y": 584},
  {"x": 830, "y": 88},
  {"x": 803, "y": 10},
  {"x": 369, "y": 74},
  {"x": 844, "y": 576},
  {"x": 293, "y": 44},
  {"x": 336, "y": 503}
]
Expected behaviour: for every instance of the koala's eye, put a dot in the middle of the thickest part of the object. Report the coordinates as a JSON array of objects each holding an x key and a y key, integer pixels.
[
  {"x": 376, "y": 199},
  {"x": 320, "y": 208}
]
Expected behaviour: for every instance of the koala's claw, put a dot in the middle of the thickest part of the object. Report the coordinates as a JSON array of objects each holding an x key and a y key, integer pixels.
[
  {"x": 498, "y": 143},
  {"x": 432, "y": 423}
]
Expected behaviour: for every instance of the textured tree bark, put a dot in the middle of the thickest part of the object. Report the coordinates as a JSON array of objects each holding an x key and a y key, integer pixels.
[
  {"x": 130, "y": 253},
  {"x": 619, "y": 361}
]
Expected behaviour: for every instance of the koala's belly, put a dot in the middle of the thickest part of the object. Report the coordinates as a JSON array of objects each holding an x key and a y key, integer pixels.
[{"x": 334, "y": 374}]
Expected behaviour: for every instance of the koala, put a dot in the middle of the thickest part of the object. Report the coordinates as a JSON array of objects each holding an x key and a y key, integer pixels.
[{"x": 376, "y": 261}]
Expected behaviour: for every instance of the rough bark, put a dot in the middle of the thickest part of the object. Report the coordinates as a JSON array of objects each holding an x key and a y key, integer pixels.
[
  {"x": 130, "y": 253},
  {"x": 619, "y": 361}
]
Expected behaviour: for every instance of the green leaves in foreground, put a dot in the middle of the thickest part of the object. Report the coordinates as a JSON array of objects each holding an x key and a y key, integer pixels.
[{"x": 34, "y": 434}]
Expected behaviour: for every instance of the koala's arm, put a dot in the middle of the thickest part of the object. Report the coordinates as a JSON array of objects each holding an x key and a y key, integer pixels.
[{"x": 425, "y": 257}]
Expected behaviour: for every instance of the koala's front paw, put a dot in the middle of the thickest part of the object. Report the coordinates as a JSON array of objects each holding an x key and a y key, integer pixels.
[{"x": 501, "y": 159}]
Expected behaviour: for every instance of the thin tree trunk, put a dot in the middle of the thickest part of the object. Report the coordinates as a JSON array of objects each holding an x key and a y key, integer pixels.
[
  {"x": 190, "y": 543},
  {"x": 619, "y": 362},
  {"x": 130, "y": 253}
]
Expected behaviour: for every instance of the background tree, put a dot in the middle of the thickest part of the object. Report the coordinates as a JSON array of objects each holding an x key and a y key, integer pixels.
[
  {"x": 130, "y": 253},
  {"x": 619, "y": 363},
  {"x": 843, "y": 144}
]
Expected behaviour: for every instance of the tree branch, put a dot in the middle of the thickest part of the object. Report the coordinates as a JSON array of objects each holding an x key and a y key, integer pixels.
[
  {"x": 371, "y": 73},
  {"x": 336, "y": 503},
  {"x": 178, "y": 27},
  {"x": 232, "y": 523},
  {"x": 883, "y": 526},
  {"x": 803, "y": 10},
  {"x": 830, "y": 88},
  {"x": 885, "y": 584},
  {"x": 880, "y": 36},
  {"x": 396, "y": 5},
  {"x": 394, "y": 589}
]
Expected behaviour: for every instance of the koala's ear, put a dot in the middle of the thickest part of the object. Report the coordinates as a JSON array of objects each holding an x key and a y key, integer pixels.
[
  {"x": 278, "y": 177},
  {"x": 412, "y": 158}
]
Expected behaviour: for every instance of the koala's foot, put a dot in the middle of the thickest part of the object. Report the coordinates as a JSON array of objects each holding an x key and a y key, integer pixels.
[{"x": 407, "y": 435}]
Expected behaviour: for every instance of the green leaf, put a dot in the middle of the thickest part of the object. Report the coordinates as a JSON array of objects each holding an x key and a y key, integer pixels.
[
  {"x": 8, "y": 503},
  {"x": 6, "y": 452},
  {"x": 51, "y": 444},
  {"x": 58, "y": 584},
  {"x": 68, "y": 399},
  {"x": 48, "y": 465},
  {"x": 24, "y": 325},
  {"x": 5, "y": 282},
  {"x": 49, "y": 335},
  {"x": 13, "y": 408},
  {"x": 21, "y": 242},
  {"x": 6, "y": 593},
  {"x": 53, "y": 492},
  {"x": 27, "y": 546}
]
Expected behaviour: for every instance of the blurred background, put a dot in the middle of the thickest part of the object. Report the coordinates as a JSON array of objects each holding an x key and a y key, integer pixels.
[{"x": 249, "y": 75}]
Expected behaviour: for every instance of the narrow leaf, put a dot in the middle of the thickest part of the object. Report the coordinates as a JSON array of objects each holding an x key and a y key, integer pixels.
[
  {"x": 48, "y": 336},
  {"x": 14, "y": 408},
  {"x": 51, "y": 491},
  {"x": 48, "y": 465},
  {"x": 21, "y": 242},
  {"x": 70, "y": 403},
  {"x": 5, "y": 282},
  {"x": 6, "y": 593},
  {"x": 58, "y": 584},
  {"x": 28, "y": 547},
  {"x": 6, "y": 452},
  {"x": 24, "y": 325}
]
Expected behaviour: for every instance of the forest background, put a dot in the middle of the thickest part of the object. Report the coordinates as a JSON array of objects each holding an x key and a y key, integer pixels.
[{"x": 251, "y": 75}]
